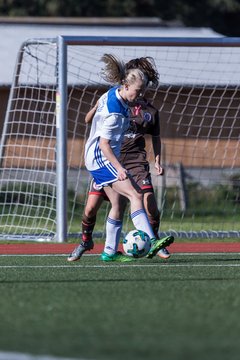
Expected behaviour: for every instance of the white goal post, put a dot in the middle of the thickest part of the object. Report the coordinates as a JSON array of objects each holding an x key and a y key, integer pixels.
[{"x": 43, "y": 180}]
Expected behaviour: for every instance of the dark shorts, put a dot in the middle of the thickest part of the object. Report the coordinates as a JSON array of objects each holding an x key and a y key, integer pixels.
[{"x": 139, "y": 170}]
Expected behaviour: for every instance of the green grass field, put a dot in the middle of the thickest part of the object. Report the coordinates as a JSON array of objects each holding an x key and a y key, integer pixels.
[{"x": 185, "y": 308}]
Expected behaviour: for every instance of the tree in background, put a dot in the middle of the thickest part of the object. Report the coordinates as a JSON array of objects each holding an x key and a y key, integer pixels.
[{"x": 220, "y": 15}]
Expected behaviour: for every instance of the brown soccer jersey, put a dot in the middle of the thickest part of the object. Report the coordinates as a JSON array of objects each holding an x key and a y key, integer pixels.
[{"x": 144, "y": 120}]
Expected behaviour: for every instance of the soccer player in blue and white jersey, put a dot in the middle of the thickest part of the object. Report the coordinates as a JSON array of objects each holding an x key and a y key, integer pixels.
[
  {"x": 102, "y": 151},
  {"x": 110, "y": 122}
]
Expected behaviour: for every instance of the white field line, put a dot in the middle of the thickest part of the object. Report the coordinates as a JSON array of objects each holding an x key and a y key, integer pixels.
[
  {"x": 75, "y": 267},
  {"x": 117, "y": 265},
  {"x": 172, "y": 254},
  {"x": 20, "y": 356}
]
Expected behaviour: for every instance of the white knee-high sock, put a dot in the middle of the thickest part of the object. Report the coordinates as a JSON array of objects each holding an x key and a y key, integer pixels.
[
  {"x": 140, "y": 221},
  {"x": 113, "y": 233}
]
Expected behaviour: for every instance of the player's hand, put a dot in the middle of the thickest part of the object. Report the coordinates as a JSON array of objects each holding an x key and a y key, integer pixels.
[
  {"x": 159, "y": 169},
  {"x": 122, "y": 174}
]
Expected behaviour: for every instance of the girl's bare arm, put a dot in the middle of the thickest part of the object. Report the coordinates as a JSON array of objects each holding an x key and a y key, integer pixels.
[{"x": 89, "y": 116}]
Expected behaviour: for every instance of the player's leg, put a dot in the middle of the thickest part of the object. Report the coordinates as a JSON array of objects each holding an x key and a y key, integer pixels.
[
  {"x": 139, "y": 216},
  {"x": 140, "y": 173},
  {"x": 152, "y": 211},
  {"x": 153, "y": 214},
  {"x": 95, "y": 198},
  {"x": 94, "y": 201},
  {"x": 114, "y": 228}
]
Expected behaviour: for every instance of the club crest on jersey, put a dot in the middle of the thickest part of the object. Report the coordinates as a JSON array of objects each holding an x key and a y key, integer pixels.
[{"x": 147, "y": 116}]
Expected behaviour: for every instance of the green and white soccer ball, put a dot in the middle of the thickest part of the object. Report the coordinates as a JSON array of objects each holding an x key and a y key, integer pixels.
[{"x": 136, "y": 243}]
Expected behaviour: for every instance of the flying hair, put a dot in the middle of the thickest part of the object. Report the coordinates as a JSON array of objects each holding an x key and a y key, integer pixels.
[{"x": 114, "y": 70}]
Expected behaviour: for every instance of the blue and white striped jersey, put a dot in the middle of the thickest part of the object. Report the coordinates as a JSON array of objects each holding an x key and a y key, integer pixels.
[{"x": 110, "y": 121}]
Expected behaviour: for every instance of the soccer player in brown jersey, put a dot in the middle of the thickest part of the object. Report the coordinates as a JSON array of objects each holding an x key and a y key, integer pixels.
[{"x": 144, "y": 120}]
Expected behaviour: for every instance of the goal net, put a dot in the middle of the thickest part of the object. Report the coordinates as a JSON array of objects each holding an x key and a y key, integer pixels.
[{"x": 43, "y": 180}]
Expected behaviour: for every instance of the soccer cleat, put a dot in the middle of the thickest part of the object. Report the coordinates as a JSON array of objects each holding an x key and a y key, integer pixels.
[
  {"x": 164, "y": 253},
  {"x": 118, "y": 256},
  {"x": 80, "y": 249},
  {"x": 158, "y": 245}
]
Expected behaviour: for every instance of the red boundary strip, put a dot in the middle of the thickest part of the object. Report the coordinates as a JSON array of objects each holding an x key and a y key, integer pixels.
[{"x": 42, "y": 248}]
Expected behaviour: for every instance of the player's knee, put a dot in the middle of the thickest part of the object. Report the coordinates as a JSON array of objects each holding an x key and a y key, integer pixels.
[
  {"x": 90, "y": 212},
  {"x": 137, "y": 196}
]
